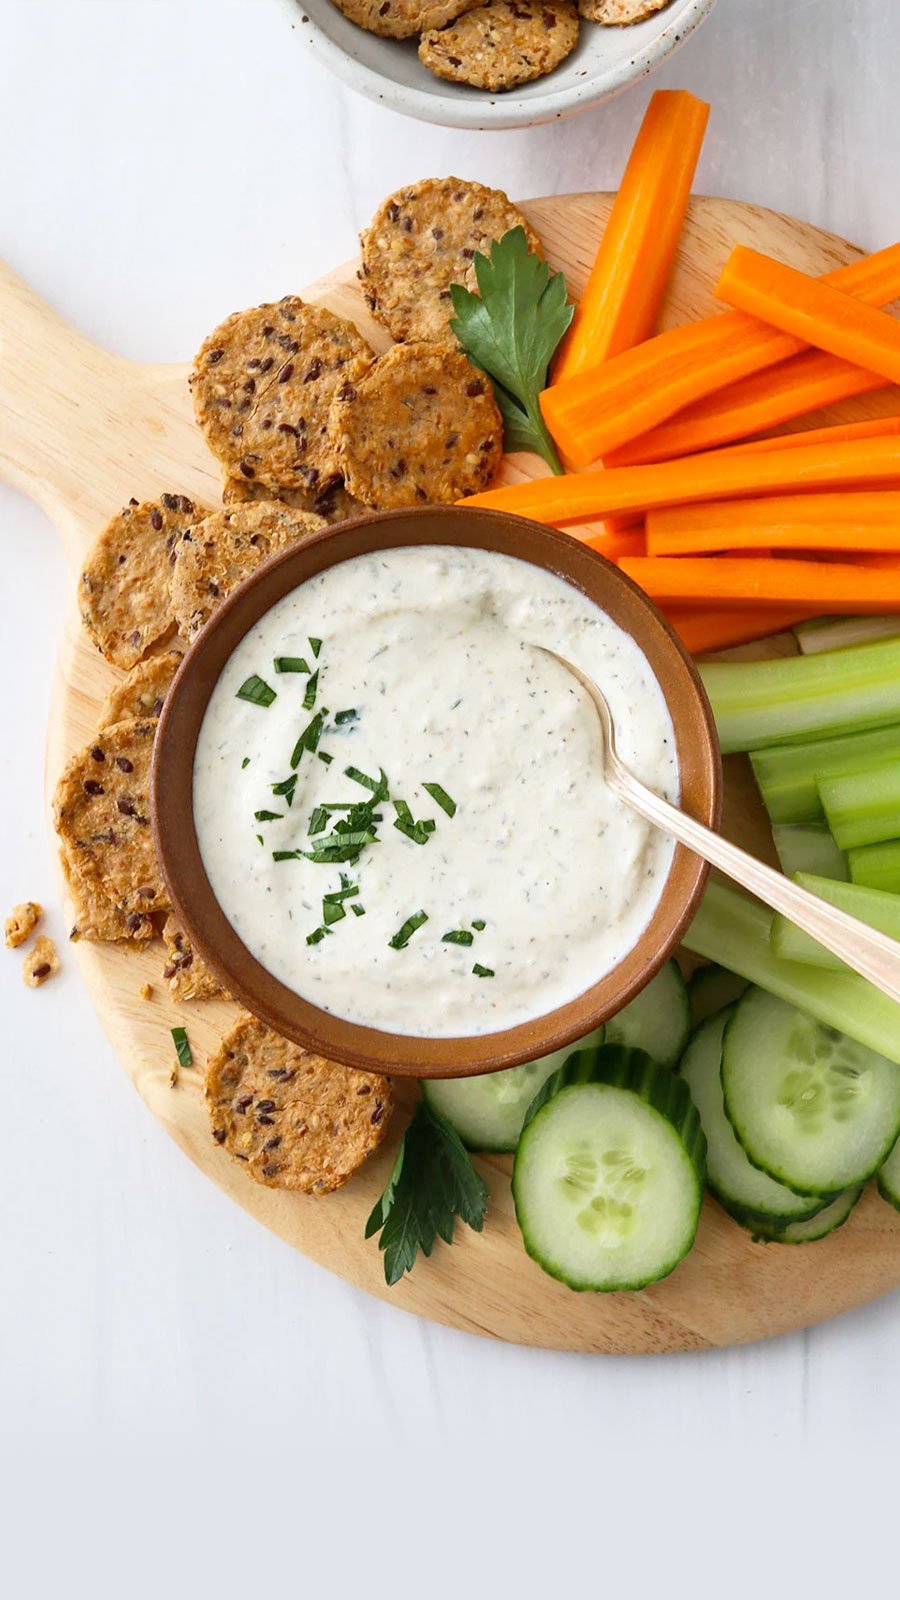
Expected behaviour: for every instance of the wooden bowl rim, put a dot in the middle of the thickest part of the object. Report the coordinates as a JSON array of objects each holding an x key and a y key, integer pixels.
[{"x": 195, "y": 904}]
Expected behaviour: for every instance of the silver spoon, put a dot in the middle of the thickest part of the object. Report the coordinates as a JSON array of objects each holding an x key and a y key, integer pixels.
[{"x": 870, "y": 953}]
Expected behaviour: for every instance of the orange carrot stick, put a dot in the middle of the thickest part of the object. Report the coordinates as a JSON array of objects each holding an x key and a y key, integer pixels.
[
  {"x": 598, "y": 410},
  {"x": 620, "y": 303},
  {"x": 834, "y": 433},
  {"x": 765, "y": 400},
  {"x": 581, "y": 496},
  {"x": 865, "y": 521},
  {"x": 730, "y": 581},
  {"x": 806, "y": 308},
  {"x": 614, "y": 543},
  {"x": 700, "y": 631}
]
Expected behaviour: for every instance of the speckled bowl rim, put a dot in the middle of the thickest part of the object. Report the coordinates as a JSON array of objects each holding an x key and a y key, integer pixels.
[
  {"x": 461, "y": 109},
  {"x": 192, "y": 896}
]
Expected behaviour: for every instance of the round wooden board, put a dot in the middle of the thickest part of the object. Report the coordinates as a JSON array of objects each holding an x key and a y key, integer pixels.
[{"x": 81, "y": 431}]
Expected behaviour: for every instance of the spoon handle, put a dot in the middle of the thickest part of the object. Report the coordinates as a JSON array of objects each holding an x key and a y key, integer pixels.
[{"x": 870, "y": 953}]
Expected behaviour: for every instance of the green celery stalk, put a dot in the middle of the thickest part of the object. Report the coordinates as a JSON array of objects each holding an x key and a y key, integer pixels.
[
  {"x": 786, "y": 774},
  {"x": 862, "y": 807},
  {"x": 809, "y": 848},
  {"x": 735, "y": 931},
  {"x": 771, "y": 702},
  {"x": 873, "y": 906},
  {"x": 836, "y": 633},
  {"x": 876, "y": 866}
]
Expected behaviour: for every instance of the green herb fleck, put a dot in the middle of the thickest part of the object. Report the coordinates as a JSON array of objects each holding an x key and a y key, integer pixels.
[
  {"x": 309, "y": 699},
  {"x": 350, "y": 715},
  {"x": 357, "y": 909},
  {"x": 316, "y": 936},
  {"x": 182, "y": 1047},
  {"x": 309, "y": 738},
  {"x": 478, "y": 924},
  {"x": 256, "y": 690},
  {"x": 378, "y": 786},
  {"x": 482, "y": 972},
  {"x": 458, "y": 936},
  {"x": 441, "y": 797},
  {"x": 286, "y": 788},
  {"x": 432, "y": 1183},
  {"x": 291, "y": 664},
  {"x": 287, "y": 855},
  {"x": 332, "y": 912},
  {"x": 315, "y": 646},
  {"x": 403, "y": 935},
  {"x": 268, "y": 816},
  {"x": 245, "y": 762},
  {"x": 260, "y": 839},
  {"x": 324, "y": 756}
]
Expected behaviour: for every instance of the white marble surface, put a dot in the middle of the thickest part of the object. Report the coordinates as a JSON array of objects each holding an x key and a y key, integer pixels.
[{"x": 161, "y": 162}]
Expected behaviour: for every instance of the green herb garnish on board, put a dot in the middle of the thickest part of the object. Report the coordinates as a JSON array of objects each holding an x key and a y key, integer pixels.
[
  {"x": 256, "y": 690},
  {"x": 440, "y": 796},
  {"x": 511, "y": 329},
  {"x": 291, "y": 664},
  {"x": 182, "y": 1047},
  {"x": 404, "y": 934},
  {"x": 433, "y": 1182}
]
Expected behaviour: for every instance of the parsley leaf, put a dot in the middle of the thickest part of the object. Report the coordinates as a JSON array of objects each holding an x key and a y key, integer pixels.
[
  {"x": 182, "y": 1047},
  {"x": 433, "y": 1183},
  {"x": 511, "y": 329}
]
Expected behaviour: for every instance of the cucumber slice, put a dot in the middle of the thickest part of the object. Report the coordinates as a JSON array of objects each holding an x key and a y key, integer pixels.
[
  {"x": 807, "y": 1231},
  {"x": 608, "y": 1177},
  {"x": 711, "y": 989},
  {"x": 889, "y": 1178},
  {"x": 488, "y": 1112},
  {"x": 811, "y": 1107},
  {"x": 740, "y": 1186},
  {"x": 657, "y": 1020}
]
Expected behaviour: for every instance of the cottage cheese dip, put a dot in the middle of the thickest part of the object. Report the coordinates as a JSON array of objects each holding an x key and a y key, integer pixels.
[{"x": 400, "y": 803}]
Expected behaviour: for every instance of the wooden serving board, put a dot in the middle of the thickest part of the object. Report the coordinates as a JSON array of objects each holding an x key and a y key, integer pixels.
[{"x": 81, "y": 431}]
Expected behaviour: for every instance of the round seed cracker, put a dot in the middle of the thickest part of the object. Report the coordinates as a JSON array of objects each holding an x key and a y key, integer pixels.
[
  {"x": 402, "y": 19},
  {"x": 423, "y": 239},
  {"x": 124, "y": 585},
  {"x": 333, "y": 503},
  {"x": 142, "y": 693},
  {"x": 619, "y": 13},
  {"x": 102, "y": 811},
  {"x": 220, "y": 552},
  {"x": 262, "y": 385},
  {"x": 421, "y": 427},
  {"x": 503, "y": 44},
  {"x": 95, "y": 916},
  {"x": 188, "y": 977},
  {"x": 296, "y": 1120}
]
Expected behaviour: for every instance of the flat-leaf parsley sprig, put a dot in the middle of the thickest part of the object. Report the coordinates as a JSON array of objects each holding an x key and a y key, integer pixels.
[
  {"x": 433, "y": 1182},
  {"x": 511, "y": 330}
]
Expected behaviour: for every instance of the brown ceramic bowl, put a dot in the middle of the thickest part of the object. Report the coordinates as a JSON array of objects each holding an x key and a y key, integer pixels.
[{"x": 172, "y": 782}]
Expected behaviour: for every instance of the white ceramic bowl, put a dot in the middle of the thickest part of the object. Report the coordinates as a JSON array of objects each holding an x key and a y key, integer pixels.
[{"x": 389, "y": 70}]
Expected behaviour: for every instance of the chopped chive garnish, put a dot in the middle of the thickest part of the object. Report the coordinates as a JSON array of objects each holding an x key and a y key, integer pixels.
[
  {"x": 309, "y": 699},
  {"x": 402, "y": 810},
  {"x": 182, "y": 1047},
  {"x": 357, "y": 909},
  {"x": 345, "y": 892},
  {"x": 245, "y": 762},
  {"x": 256, "y": 690},
  {"x": 287, "y": 855},
  {"x": 318, "y": 822},
  {"x": 403, "y": 935},
  {"x": 441, "y": 797},
  {"x": 340, "y": 846},
  {"x": 418, "y": 832},
  {"x": 332, "y": 913},
  {"x": 324, "y": 756},
  {"x": 309, "y": 738},
  {"x": 291, "y": 664},
  {"x": 286, "y": 788},
  {"x": 268, "y": 816},
  {"x": 478, "y": 925},
  {"x": 482, "y": 972},
  {"x": 260, "y": 839},
  {"x": 316, "y": 936},
  {"x": 378, "y": 786},
  {"x": 315, "y": 646},
  {"x": 350, "y": 715},
  {"x": 458, "y": 936}
]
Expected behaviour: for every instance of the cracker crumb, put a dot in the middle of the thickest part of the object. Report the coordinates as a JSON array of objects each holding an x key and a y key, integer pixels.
[
  {"x": 40, "y": 963},
  {"x": 22, "y": 921},
  {"x": 146, "y": 991},
  {"x": 173, "y": 1077}
]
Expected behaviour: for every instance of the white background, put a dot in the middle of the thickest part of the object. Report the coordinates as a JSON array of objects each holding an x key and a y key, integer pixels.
[{"x": 183, "y": 1400}]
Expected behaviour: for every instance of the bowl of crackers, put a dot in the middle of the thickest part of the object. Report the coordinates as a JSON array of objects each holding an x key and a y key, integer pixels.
[{"x": 493, "y": 63}]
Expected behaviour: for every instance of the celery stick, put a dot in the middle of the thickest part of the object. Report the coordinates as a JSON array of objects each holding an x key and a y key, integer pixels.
[
  {"x": 862, "y": 807},
  {"x": 734, "y": 931},
  {"x": 771, "y": 702},
  {"x": 876, "y": 866},
  {"x": 787, "y": 773},
  {"x": 809, "y": 848},
  {"x": 836, "y": 633},
  {"x": 873, "y": 906}
]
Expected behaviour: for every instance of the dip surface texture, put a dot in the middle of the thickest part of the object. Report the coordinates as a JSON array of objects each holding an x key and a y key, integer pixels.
[{"x": 427, "y": 674}]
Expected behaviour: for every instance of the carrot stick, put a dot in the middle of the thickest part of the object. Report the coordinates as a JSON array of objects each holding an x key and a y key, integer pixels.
[
  {"x": 581, "y": 496},
  {"x": 779, "y": 394},
  {"x": 730, "y": 581},
  {"x": 834, "y": 433},
  {"x": 614, "y": 543},
  {"x": 598, "y": 410},
  {"x": 854, "y": 522},
  {"x": 620, "y": 303},
  {"x": 700, "y": 631},
  {"x": 808, "y": 309}
]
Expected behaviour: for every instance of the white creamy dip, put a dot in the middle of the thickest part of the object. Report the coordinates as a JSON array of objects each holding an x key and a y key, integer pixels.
[{"x": 432, "y": 649}]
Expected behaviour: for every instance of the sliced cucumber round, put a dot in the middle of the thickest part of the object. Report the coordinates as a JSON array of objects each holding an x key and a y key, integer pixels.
[
  {"x": 732, "y": 1178},
  {"x": 812, "y": 1108},
  {"x": 710, "y": 990},
  {"x": 806, "y": 1230},
  {"x": 889, "y": 1178},
  {"x": 608, "y": 1177},
  {"x": 657, "y": 1020},
  {"x": 488, "y": 1112}
]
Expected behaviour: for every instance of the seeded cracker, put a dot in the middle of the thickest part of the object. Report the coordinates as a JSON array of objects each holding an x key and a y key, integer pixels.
[
  {"x": 124, "y": 585},
  {"x": 95, "y": 916},
  {"x": 142, "y": 693},
  {"x": 294, "y": 1119},
  {"x": 423, "y": 239},
  {"x": 188, "y": 977},
  {"x": 21, "y": 922},
  {"x": 40, "y": 963},
  {"x": 102, "y": 812},
  {"x": 401, "y": 19},
  {"x": 421, "y": 427},
  {"x": 225, "y": 549},
  {"x": 619, "y": 13},
  {"x": 333, "y": 503},
  {"x": 262, "y": 384},
  {"x": 503, "y": 44}
]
